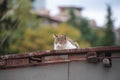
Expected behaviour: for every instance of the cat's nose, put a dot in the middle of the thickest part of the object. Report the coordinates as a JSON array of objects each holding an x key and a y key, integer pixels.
[{"x": 58, "y": 45}]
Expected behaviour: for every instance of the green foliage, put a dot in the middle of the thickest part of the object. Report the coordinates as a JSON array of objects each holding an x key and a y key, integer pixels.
[
  {"x": 27, "y": 34},
  {"x": 7, "y": 26},
  {"x": 85, "y": 29},
  {"x": 109, "y": 38},
  {"x": 82, "y": 24},
  {"x": 20, "y": 31},
  {"x": 23, "y": 14},
  {"x": 42, "y": 38},
  {"x": 25, "y": 18},
  {"x": 94, "y": 36},
  {"x": 74, "y": 20},
  {"x": 15, "y": 17},
  {"x": 98, "y": 34}
]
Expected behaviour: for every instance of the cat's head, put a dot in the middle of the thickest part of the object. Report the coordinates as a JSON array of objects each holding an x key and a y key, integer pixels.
[{"x": 59, "y": 40}]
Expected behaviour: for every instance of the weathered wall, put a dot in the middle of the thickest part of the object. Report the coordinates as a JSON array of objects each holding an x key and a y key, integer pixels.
[{"x": 74, "y": 71}]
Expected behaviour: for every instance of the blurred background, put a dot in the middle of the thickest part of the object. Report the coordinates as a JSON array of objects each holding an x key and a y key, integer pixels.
[{"x": 29, "y": 25}]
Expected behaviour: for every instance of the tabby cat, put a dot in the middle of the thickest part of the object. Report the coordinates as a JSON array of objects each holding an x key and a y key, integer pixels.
[{"x": 63, "y": 42}]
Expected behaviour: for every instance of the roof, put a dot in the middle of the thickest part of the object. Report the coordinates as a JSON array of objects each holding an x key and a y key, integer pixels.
[
  {"x": 49, "y": 18},
  {"x": 118, "y": 30},
  {"x": 44, "y": 56},
  {"x": 68, "y": 7}
]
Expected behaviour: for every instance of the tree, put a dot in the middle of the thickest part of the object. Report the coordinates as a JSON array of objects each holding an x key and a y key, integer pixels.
[
  {"x": 15, "y": 17},
  {"x": 73, "y": 18},
  {"x": 82, "y": 24},
  {"x": 98, "y": 36},
  {"x": 85, "y": 29},
  {"x": 7, "y": 26},
  {"x": 109, "y": 37}
]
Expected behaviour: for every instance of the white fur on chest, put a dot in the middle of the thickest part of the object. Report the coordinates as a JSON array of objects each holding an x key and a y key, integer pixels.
[{"x": 68, "y": 45}]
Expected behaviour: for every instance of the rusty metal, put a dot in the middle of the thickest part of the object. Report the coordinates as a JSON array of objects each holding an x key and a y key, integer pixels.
[{"x": 39, "y": 57}]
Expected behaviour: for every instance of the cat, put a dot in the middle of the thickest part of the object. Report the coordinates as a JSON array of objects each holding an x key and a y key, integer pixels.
[{"x": 62, "y": 42}]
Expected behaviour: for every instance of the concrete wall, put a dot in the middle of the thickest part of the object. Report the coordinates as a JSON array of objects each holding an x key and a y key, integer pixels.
[{"x": 64, "y": 71}]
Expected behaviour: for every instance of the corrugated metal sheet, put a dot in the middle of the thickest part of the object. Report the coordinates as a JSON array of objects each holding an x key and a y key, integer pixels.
[{"x": 57, "y": 56}]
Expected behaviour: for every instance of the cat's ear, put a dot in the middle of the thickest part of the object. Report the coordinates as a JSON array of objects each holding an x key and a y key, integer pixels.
[
  {"x": 64, "y": 36},
  {"x": 55, "y": 35}
]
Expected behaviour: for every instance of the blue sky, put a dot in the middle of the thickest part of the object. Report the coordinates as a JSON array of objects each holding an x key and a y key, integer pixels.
[{"x": 93, "y": 9}]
